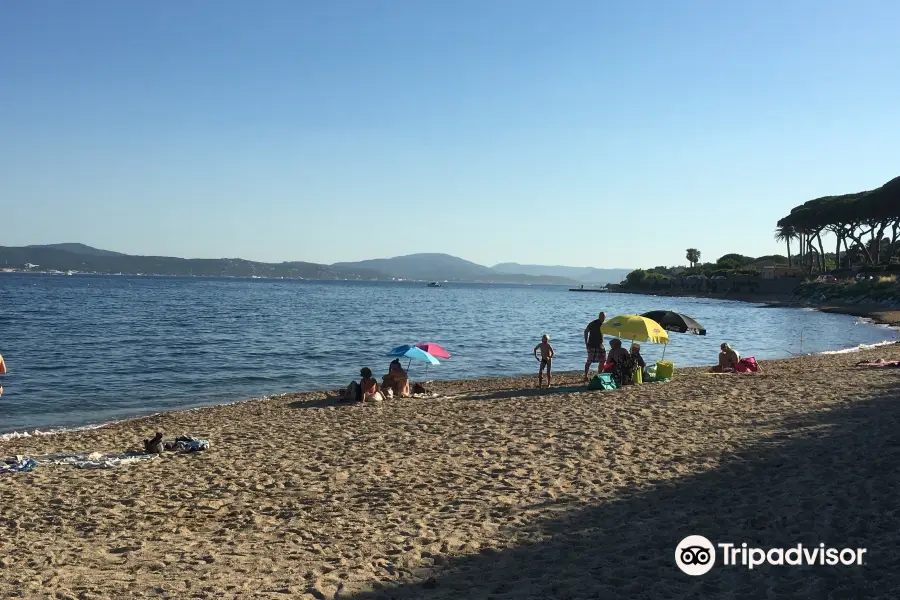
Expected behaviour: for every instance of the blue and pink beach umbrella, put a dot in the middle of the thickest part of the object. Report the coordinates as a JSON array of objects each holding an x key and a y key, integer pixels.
[{"x": 425, "y": 352}]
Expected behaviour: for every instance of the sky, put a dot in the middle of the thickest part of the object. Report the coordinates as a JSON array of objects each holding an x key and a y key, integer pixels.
[{"x": 604, "y": 133}]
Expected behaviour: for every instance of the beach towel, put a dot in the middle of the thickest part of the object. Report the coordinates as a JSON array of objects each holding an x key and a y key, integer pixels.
[
  {"x": 602, "y": 381},
  {"x": 186, "y": 443},
  {"x": 93, "y": 460},
  {"x": 16, "y": 464}
]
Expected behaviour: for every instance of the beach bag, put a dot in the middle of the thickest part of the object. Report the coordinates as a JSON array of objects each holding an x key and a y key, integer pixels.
[
  {"x": 637, "y": 374},
  {"x": 665, "y": 369},
  {"x": 747, "y": 365},
  {"x": 602, "y": 381}
]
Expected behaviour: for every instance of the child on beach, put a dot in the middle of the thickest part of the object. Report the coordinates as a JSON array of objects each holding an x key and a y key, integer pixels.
[{"x": 546, "y": 359}]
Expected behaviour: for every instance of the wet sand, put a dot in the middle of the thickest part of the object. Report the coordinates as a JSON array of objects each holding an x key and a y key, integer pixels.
[{"x": 494, "y": 490}]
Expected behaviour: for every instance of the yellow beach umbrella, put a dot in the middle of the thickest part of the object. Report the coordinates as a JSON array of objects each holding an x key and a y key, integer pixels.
[{"x": 635, "y": 328}]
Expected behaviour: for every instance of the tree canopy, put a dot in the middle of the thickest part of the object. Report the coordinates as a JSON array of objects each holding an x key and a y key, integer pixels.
[{"x": 848, "y": 217}]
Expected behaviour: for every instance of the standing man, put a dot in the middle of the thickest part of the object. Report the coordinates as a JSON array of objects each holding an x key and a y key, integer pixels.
[
  {"x": 2, "y": 371},
  {"x": 593, "y": 340}
]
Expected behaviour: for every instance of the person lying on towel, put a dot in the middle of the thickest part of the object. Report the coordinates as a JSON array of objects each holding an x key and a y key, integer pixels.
[{"x": 879, "y": 363}]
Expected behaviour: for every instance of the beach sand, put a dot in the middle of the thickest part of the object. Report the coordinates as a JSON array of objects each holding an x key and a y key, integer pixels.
[{"x": 495, "y": 490}]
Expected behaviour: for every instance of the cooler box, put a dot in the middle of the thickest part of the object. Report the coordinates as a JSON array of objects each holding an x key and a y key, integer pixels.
[{"x": 664, "y": 369}]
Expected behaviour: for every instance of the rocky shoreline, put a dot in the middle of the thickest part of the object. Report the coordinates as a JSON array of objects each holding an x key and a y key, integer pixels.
[{"x": 885, "y": 313}]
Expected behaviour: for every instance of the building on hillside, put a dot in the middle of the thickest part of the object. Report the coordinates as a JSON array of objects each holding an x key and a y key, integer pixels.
[{"x": 780, "y": 271}]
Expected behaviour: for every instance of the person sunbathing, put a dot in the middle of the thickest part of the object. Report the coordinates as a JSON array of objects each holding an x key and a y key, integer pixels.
[
  {"x": 365, "y": 389},
  {"x": 728, "y": 360},
  {"x": 879, "y": 363},
  {"x": 396, "y": 380}
]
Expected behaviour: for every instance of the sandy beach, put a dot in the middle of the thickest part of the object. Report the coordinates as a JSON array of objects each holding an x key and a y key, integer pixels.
[{"x": 493, "y": 490}]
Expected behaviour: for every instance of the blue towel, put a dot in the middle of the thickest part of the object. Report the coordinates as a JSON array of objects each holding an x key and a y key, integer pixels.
[
  {"x": 16, "y": 465},
  {"x": 188, "y": 444}
]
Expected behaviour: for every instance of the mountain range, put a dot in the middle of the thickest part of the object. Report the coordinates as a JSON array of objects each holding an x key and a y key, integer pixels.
[{"x": 423, "y": 267}]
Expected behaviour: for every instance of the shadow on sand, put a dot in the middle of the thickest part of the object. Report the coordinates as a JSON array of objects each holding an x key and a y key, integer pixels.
[
  {"x": 831, "y": 477},
  {"x": 524, "y": 392}
]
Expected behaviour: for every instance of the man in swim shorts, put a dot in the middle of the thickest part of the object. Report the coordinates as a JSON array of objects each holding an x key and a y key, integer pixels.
[
  {"x": 546, "y": 359},
  {"x": 593, "y": 341}
]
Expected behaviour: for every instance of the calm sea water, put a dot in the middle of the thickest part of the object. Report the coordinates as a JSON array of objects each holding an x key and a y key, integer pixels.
[{"x": 86, "y": 349}]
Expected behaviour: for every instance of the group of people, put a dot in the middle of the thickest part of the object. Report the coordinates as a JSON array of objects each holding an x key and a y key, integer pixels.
[
  {"x": 367, "y": 389},
  {"x": 625, "y": 366},
  {"x": 620, "y": 363}
]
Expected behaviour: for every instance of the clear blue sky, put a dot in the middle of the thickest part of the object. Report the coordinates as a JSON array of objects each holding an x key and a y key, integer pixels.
[{"x": 593, "y": 133}]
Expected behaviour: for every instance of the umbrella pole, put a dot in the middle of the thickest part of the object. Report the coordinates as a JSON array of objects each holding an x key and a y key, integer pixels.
[
  {"x": 426, "y": 371},
  {"x": 407, "y": 365},
  {"x": 664, "y": 351}
]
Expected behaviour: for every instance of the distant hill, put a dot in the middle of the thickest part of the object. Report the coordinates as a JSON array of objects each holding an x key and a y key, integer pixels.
[
  {"x": 440, "y": 267},
  {"x": 79, "y": 249},
  {"x": 422, "y": 266},
  {"x": 49, "y": 257},
  {"x": 580, "y": 274},
  {"x": 430, "y": 267}
]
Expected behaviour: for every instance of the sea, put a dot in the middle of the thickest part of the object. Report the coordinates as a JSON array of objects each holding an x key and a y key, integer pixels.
[{"x": 85, "y": 350}]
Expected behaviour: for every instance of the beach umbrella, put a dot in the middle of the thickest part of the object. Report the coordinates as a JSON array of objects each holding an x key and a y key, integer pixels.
[
  {"x": 677, "y": 322},
  {"x": 636, "y": 328},
  {"x": 412, "y": 352},
  {"x": 433, "y": 349}
]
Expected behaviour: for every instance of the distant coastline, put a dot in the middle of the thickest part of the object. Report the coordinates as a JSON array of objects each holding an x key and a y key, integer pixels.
[
  {"x": 271, "y": 278},
  {"x": 73, "y": 258}
]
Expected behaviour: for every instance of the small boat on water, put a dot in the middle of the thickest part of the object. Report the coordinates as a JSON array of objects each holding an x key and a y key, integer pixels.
[{"x": 434, "y": 284}]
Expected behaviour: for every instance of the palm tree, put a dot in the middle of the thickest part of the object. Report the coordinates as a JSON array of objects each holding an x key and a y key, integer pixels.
[
  {"x": 693, "y": 256},
  {"x": 786, "y": 233}
]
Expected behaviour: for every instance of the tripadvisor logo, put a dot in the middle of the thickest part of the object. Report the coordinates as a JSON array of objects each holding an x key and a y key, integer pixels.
[{"x": 696, "y": 555}]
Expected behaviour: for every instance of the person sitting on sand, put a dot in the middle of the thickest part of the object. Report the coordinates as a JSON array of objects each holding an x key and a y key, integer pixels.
[
  {"x": 546, "y": 359},
  {"x": 621, "y": 364},
  {"x": 728, "y": 360},
  {"x": 396, "y": 380},
  {"x": 638, "y": 359},
  {"x": 365, "y": 389},
  {"x": 155, "y": 444}
]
